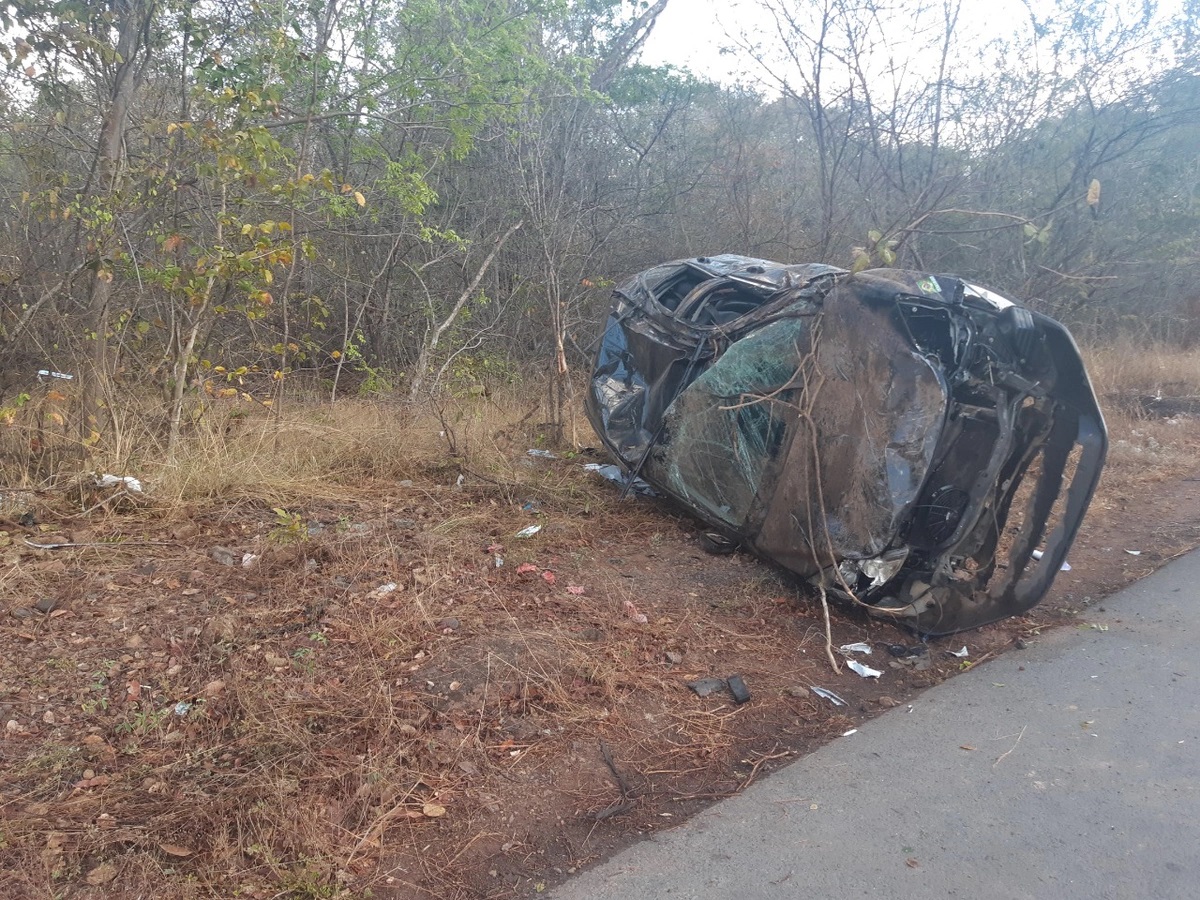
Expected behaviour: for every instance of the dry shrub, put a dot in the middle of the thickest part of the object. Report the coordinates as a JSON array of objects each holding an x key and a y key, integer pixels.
[
  {"x": 237, "y": 448},
  {"x": 1127, "y": 374},
  {"x": 1150, "y": 394}
]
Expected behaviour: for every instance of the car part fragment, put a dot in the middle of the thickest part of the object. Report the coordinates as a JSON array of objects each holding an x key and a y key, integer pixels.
[{"x": 908, "y": 440}]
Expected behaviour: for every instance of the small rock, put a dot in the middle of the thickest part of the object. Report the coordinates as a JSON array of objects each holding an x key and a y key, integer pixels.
[
  {"x": 798, "y": 691},
  {"x": 705, "y": 686},
  {"x": 185, "y": 531},
  {"x": 12, "y": 726},
  {"x": 213, "y": 688},
  {"x": 449, "y": 624},
  {"x": 405, "y": 523},
  {"x": 1022, "y": 644},
  {"x": 46, "y": 605},
  {"x": 20, "y": 612},
  {"x": 674, "y": 657},
  {"x": 48, "y": 717},
  {"x": 224, "y": 556},
  {"x": 887, "y": 702},
  {"x": 592, "y": 634},
  {"x": 407, "y": 482},
  {"x": 102, "y": 874}
]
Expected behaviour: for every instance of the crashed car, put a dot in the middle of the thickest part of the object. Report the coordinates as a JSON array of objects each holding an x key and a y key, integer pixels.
[{"x": 911, "y": 442}]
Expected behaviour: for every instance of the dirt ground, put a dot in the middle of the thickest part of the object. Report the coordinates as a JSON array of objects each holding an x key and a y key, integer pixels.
[{"x": 392, "y": 694}]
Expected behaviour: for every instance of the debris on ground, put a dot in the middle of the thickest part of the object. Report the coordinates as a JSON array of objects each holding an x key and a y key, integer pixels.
[
  {"x": 828, "y": 695},
  {"x": 702, "y": 687},
  {"x": 127, "y": 481},
  {"x": 860, "y": 669},
  {"x": 616, "y": 475},
  {"x": 737, "y": 688}
]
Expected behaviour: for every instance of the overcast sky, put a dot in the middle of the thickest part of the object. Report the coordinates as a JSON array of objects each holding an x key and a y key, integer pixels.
[{"x": 690, "y": 33}]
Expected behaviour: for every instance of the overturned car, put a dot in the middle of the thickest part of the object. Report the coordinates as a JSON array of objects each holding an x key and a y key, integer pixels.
[{"x": 911, "y": 442}]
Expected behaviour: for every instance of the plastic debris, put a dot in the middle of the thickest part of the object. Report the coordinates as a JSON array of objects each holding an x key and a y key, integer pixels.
[
  {"x": 1134, "y": 552},
  {"x": 616, "y": 475},
  {"x": 183, "y": 707},
  {"x": 961, "y": 654},
  {"x": 828, "y": 695},
  {"x": 737, "y": 687},
  {"x": 128, "y": 481},
  {"x": 542, "y": 454},
  {"x": 865, "y": 671},
  {"x": 856, "y": 647},
  {"x": 529, "y": 531},
  {"x": 526, "y": 568},
  {"x": 249, "y": 559},
  {"x": 575, "y": 589},
  {"x": 705, "y": 686},
  {"x": 383, "y": 590},
  {"x": 548, "y": 577},
  {"x": 49, "y": 373},
  {"x": 529, "y": 506},
  {"x": 1065, "y": 567},
  {"x": 850, "y": 732}
]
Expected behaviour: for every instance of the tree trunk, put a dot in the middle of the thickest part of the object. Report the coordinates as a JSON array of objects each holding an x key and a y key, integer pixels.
[{"x": 132, "y": 19}]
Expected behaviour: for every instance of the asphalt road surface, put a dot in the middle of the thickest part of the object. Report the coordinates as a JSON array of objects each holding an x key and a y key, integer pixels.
[{"x": 1083, "y": 782}]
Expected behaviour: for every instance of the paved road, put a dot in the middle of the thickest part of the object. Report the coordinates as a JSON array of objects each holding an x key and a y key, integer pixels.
[{"x": 1085, "y": 783}]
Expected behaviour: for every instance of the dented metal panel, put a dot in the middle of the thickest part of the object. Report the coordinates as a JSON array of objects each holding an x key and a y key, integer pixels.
[{"x": 872, "y": 431}]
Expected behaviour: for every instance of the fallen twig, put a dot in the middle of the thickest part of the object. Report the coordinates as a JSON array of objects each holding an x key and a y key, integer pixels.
[
  {"x": 828, "y": 629},
  {"x": 626, "y": 802},
  {"x": 1012, "y": 748}
]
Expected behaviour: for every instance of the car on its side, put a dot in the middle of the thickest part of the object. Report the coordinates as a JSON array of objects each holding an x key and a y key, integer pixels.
[{"x": 909, "y": 441}]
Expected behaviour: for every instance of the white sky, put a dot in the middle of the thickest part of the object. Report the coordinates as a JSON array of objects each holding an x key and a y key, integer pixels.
[{"x": 690, "y": 33}]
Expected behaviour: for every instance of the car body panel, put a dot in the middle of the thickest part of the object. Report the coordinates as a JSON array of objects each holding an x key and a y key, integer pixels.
[{"x": 903, "y": 439}]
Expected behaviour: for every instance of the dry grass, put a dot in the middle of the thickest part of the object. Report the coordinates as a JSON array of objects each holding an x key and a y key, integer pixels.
[
  {"x": 237, "y": 449},
  {"x": 1151, "y": 401},
  {"x": 327, "y": 724},
  {"x": 1126, "y": 375}
]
